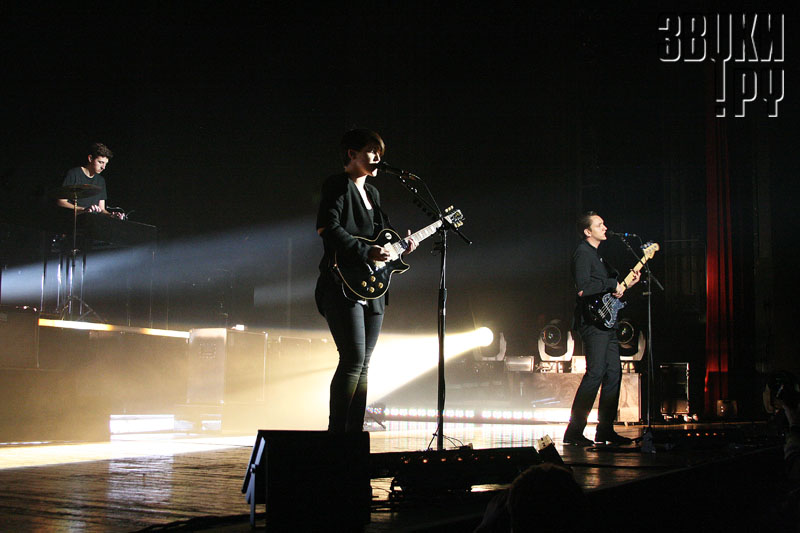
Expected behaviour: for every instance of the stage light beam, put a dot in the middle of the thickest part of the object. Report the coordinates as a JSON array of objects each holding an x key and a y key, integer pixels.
[{"x": 399, "y": 359}]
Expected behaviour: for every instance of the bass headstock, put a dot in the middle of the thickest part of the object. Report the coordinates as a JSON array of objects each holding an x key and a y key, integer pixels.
[{"x": 649, "y": 249}]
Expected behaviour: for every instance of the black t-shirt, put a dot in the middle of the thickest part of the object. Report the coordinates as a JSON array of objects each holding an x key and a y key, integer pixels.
[{"x": 76, "y": 176}]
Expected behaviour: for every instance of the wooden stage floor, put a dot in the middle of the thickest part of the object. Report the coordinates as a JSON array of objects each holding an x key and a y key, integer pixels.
[{"x": 179, "y": 482}]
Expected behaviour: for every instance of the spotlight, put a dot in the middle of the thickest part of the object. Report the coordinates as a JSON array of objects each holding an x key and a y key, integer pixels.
[
  {"x": 484, "y": 336},
  {"x": 489, "y": 347},
  {"x": 631, "y": 341},
  {"x": 556, "y": 342}
]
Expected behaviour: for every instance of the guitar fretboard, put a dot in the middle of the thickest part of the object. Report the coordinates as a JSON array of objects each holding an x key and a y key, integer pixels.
[
  {"x": 421, "y": 235},
  {"x": 649, "y": 252}
]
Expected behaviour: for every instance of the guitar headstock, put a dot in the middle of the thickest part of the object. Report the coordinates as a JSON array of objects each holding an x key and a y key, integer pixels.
[
  {"x": 454, "y": 217},
  {"x": 650, "y": 249}
]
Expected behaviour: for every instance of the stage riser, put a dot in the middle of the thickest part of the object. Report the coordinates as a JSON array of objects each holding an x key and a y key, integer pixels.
[
  {"x": 131, "y": 373},
  {"x": 47, "y": 405},
  {"x": 19, "y": 339},
  {"x": 727, "y": 495},
  {"x": 557, "y": 391},
  {"x": 85, "y": 376}
]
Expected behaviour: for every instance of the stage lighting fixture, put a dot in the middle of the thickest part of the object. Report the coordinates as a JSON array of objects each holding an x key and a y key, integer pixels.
[
  {"x": 631, "y": 341},
  {"x": 487, "y": 349},
  {"x": 556, "y": 342}
]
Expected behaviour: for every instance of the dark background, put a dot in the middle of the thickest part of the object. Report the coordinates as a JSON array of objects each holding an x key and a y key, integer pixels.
[{"x": 225, "y": 118}]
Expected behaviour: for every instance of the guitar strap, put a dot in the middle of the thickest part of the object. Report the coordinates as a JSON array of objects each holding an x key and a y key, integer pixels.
[
  {"x": 612, "y": 272},
  {"x": 379, "y": 222}
]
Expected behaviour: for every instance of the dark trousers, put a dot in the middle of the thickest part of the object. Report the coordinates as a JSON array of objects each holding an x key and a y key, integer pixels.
[
  {"x": 604, "y": 372},
  {"x": 355, "y": 331}
]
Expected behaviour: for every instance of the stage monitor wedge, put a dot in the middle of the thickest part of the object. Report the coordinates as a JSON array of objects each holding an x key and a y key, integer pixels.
[{"x": 310, "y": 480}]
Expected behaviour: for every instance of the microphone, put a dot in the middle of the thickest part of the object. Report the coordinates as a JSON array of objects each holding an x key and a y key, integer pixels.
[
  {"x": 396, "y": 171},
  {"x": 621, "y": 234}
]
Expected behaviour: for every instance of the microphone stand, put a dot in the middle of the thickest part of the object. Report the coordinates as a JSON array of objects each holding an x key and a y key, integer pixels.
[
  {"x": 650, "y": 361},
  {"x": 431, "y": 209}
]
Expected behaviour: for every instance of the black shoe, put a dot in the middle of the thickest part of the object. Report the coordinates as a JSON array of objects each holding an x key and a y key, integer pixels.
[
  {"x": 577, "y": 440},
  {"x": 610, "y": 436}
]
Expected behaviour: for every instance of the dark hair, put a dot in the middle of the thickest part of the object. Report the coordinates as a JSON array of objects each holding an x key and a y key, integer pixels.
[
  {"x": 585, "y": 222},
  {"x": 100, "y": 150},
  {"x": 546, "y": 495},
  {"x": 358, "y": 139}
]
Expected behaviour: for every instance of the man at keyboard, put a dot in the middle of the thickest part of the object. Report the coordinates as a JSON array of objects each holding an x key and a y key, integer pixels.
[{"x": 90, "y": 174}]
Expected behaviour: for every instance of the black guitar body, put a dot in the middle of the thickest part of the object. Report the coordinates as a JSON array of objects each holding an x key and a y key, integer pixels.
[
  {"x": 370, "y": 280},
  {"x": 601, "y": 309}
]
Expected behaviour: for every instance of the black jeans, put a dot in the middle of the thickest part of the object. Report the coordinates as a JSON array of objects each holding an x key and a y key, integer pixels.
[
  {"x": 602, "y": 368},
  {"x": 355, "y": 331}
]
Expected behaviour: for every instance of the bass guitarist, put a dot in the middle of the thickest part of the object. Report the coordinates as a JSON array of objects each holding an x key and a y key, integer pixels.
[
  {"x": 592, "y": 276},
  {"x": 350, "y": 208}
]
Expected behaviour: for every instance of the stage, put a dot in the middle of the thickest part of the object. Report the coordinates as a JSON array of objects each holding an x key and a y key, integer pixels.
[
  {"x": 117, "y": 428},
  {"x": 700, "y": 477}
]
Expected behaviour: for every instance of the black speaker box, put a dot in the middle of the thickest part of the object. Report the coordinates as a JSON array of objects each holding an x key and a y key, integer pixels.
[
  {"x": 19, "y": 337},
  {"x": 674, "y": 391},
  {"x": 310, "y": 480}
]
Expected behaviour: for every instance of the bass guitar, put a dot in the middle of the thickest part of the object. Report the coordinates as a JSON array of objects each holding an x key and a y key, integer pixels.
[
  {"x": 370, "y": 280},
  {"x": 601, "y": 309}
]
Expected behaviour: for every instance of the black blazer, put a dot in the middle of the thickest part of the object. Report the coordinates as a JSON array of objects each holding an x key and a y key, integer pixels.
[{"x": 342, "y": 215}]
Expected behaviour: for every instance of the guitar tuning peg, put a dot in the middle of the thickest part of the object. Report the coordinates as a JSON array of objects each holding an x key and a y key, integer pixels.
[{"x": 448, "y": 209}]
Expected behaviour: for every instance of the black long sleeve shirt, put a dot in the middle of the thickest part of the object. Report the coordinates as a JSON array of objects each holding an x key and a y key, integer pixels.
[{"x": 591, "y": 274}]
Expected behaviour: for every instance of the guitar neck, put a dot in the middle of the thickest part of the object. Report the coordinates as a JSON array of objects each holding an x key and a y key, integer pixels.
[
  {"x": 419, "y": 236},
  {"x": 629, "y": 278}
]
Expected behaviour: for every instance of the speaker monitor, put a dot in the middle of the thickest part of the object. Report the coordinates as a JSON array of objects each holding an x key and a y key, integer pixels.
[
  {"x": 310, "y": 480},
  {"x": 674, "y": 388}
]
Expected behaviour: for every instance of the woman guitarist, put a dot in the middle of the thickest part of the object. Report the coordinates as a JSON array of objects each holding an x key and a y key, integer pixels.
[{"x": 349, "y": 208}]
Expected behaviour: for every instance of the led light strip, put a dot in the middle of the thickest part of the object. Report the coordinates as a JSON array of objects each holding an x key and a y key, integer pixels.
[
  {"x": 69, "y": 324},
  {"x": 483, "y": 416}
]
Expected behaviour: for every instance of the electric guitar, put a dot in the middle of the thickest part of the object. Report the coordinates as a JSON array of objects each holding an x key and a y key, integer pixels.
[
  {"x": 601, "y": 309},
  {"x": 370, "y": 280}
]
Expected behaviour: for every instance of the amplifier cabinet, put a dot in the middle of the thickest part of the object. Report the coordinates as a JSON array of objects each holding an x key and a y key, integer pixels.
[{"x": 226, "y": 365}]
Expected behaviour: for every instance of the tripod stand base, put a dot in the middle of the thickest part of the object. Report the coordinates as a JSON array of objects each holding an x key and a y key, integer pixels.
[{"x": 66, "y": 310}]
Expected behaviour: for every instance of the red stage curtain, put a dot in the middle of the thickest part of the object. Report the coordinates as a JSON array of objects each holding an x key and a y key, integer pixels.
[{"x": 719, "y": 270}]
